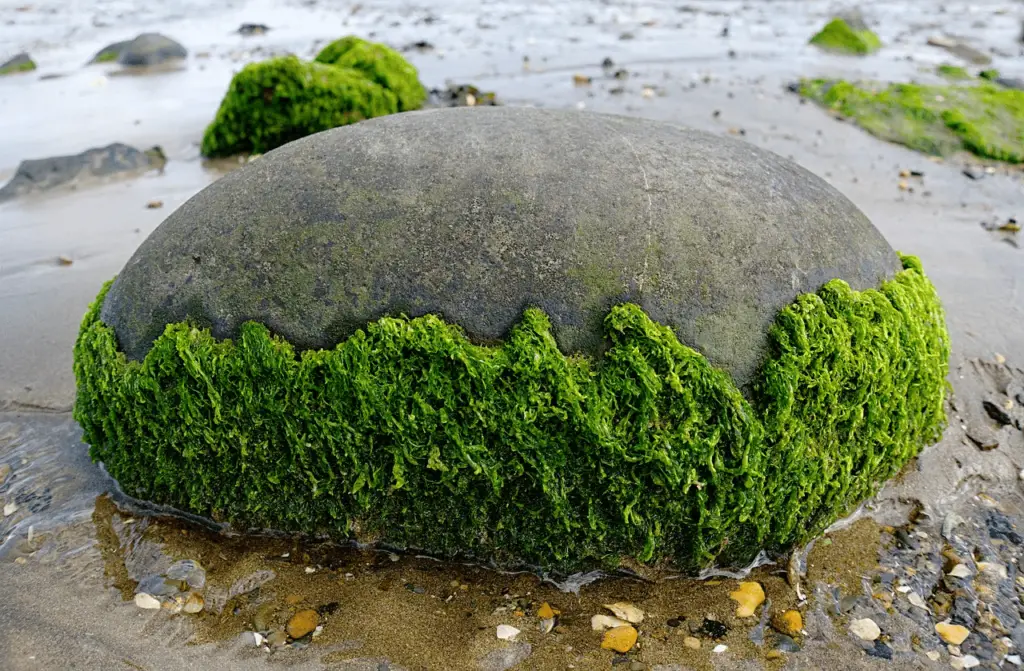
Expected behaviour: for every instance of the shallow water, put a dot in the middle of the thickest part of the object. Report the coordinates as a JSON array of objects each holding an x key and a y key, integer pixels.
[{"x": 65, "y": 601}]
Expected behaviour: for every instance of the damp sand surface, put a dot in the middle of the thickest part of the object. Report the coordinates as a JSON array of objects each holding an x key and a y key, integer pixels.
[{"x": 73, "y": 551}]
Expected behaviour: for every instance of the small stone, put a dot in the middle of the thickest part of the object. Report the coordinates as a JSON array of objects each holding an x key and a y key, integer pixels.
[
  {"x": 992, "y": 570},
  {"x": 10, "y": 509},
  {"x": 933, "y": 655},
  {"x": 865, "y": 629},
  {"x": 173, "y": 604},
  {"x": 5, "y": 472},
  {"x": 749, "y": 595},
  {"x": 960, "y": 571},
  {"x": 257, "y": 638},
  {"x": 954, "y": 634},
  {"x": 965, "y": 662},
  {"x": 692, "y": 643},
  {"x": 20, "y": 561},
  {"x": 581, "y": 80},
  {"x": 786, "y": 644},
  {"x": 1014, "y": 659},
  {"x": 720, "y": 648},
  {"x": 789, "y": 623},
  {"x": 546, "y": 612},
  {"x": 507, "y": 632},
  {"x": 626, "y": 611},
  {"x": 154, "y": 204},
  {"x": 774, "y": 654},
  {"x": 64, "y": 260},
  {"x": 880, "y": 650},
  {"x": 602, "y": 622},
  {"x": 194, "y": 603},
  {"x": 546, "y": 625},
  {"x": 917, "y": 600},
  {"x": 147, "y": 601},
  {"x": 620, "y": 639},
  {"x": 277, "y": 639},
  {"x": 302, "y": 623},
  {"x": 310, "y": 569}
]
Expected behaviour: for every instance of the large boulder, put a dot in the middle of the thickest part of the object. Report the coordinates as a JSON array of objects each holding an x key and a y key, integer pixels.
[
  {"x": 477, "y": 214},
  {"x": 540, "y": 401}
]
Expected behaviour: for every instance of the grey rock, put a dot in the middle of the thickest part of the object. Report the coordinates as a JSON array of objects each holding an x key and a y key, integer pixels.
[
  {"x": 250, "y": 29},
  {"x": 477, "y": 214},
  {"x": 150, "y": 49},
  {"x": 102, "y": 162},
  {"x": 20, "y": 63},
  {"x": 109, "y": 53},
  {"x": 505, "y": 658},
  {"x": 1011, "y": 82},
  {"x": 961, "y": 49}
]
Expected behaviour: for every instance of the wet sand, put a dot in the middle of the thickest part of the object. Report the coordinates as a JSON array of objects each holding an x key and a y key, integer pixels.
[{"x": 63, "y": 604}]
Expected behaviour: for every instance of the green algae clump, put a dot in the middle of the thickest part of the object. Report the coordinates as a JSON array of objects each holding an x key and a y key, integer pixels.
[
  {"x": 273, "y": 102},
  {"x": 380, "y": 64},
  {"x": 982, "y": 118},
  {"x": 840, "y": 36},
  {"x": 20, "y": 63},
  {"x": 953, "y": 72},
  {"x": 408, "y": 434}
]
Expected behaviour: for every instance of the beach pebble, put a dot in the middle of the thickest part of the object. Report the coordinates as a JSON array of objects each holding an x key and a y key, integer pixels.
[
  {"x": 194, "y": 603},
  {"x": 916, "y": 599},
  {"x": 5, "y": 472},
  {"x": 620, "y": 639},
  {"x": 507, "y": 632},
  {"x": 602, "y": 622},
  {"x": 720, "y": 648},
  {"x": 692, "y": 643},
  {"x": 954, "y": 634},
  {"x": 789, "y": 623},
  {"x": 302, "y": 623},
  {"x": 147, "y": 601},
  {"x": 865, "y": 629},
  {"x": 965, "y": 662},
  {"x": 10, "y": 509},
  {"x": 934, "y": 655},
  {"x": 748, "y": 596},
  {"x": 626, "y": 611},
  {"x": 960, "y": 571}
]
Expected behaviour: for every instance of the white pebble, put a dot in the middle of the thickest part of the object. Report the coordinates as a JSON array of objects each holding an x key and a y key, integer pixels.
[
  {"x": 960, "y": 571},
  {"x": 147, "y": 601},
  {"x": 934, "y": 655},
  {"x": 310, "y": 569},
  {"x": 903, "y": 589},
  {"x": 10, "y": 509},
  {"x": 970, "y": 661},
  {"x": 720, "y": 648},
  {"x": 915, "y": 599},
  {"x": 865, "y": 629},
  {"x": 1014, "y": 659},
  {"x": 507, "y": 632},
  {"x": 257, "y": 638}
]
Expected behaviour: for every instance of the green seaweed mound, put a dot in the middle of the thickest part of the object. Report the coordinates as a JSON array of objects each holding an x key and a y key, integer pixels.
[
  {"x": 380, "y": 64},
  {"x": 982, "y": 118},
  {"x": 273, "y": 102},
  {"x": 838, "y": 35},
  {"x": 953, "y": 72},
  {"x": 408, "y": 434},
  {"x": 16, "y": 65}
]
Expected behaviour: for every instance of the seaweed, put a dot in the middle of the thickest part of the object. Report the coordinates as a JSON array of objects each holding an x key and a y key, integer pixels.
[
  {"x": 273, "y": 102},
  {"x": 982, "y": 118},
  {"x": 407, "y": 433},
  {"x": 838, "y": 35},
  {"x": 380, "y": 64}
]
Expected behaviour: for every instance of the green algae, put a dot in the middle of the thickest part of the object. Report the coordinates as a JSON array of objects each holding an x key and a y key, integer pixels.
[
  {"x": 380, "y": 64},
  {"x": 840, "y": 36},
  {"x": 954, "y": 72},
  {"x": 990, "y": 74},
  {"x": 982, "y": 118},
  {"x": 273, "y": 102},
  {"x": 408, "y": 434},
  {"x": 16, "y": 65}
]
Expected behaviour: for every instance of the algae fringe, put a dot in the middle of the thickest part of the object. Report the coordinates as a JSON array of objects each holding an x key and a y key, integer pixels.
[{"x": 408, "y": 434}]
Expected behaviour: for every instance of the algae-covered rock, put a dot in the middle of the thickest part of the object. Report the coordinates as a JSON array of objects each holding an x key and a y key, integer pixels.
[
  {"x": 109, "y": 53},
  {"x": 839, "y": 35},
  {"x": 380, "y": 64},
  {"x": 982, "y": 118},
  {"x": 273, "y": 102},
  {"x": 622, "y": 341},
  {"x": 20, "y": 63},
  {"x": 954, "y": 72}
]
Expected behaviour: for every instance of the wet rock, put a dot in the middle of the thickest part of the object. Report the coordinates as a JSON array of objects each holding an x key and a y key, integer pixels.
[
  {"x": 965, "y": 609},
  {"x": 149, "y": 49},
  {"x": 999, "y": 526},
  {"x": 692, "y": 642},
  {"x": 48, "y": 173},
  {"x": 302, "y": 623},
  {"x": 507, "y": 632},
  {"x": 159, "y": 585},
  {"x": 790, "y": 623},
  {"x": 865, "y": 629},
  {"x": 188, "y": 572},
  {"x": 505, "y": 658},
  {"x": 712, "y": 629},
  {"x": 786, "y": 644},
  {"x": 997, "y": 413},
  {"x": 193, "y": 603},
  {"x": 960, "y": 49},
  {"x": 277, "y": 639},
  {"x": 5, "y": 472},
  {"x": 880, "y": 650},
  {"x": 10, "y": 508},
  {"x": 982, "y": 436},
  {"x": 250, "y": 29},
  {"x": 20, "y": 63}
]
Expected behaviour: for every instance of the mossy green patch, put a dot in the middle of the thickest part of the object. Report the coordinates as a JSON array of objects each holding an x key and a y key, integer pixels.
[
  {"x": 954, "y": 72},
  {"x": 838, "y": 35},
  {"x": 17, "y": 65},
  {"x": 990, "y": 74},
  {"x": 982, "y": 118},
  {"x": 273, "y": 102},
  {"x": 380, "y": 64},
  {"x": 409, "y": 434}
]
